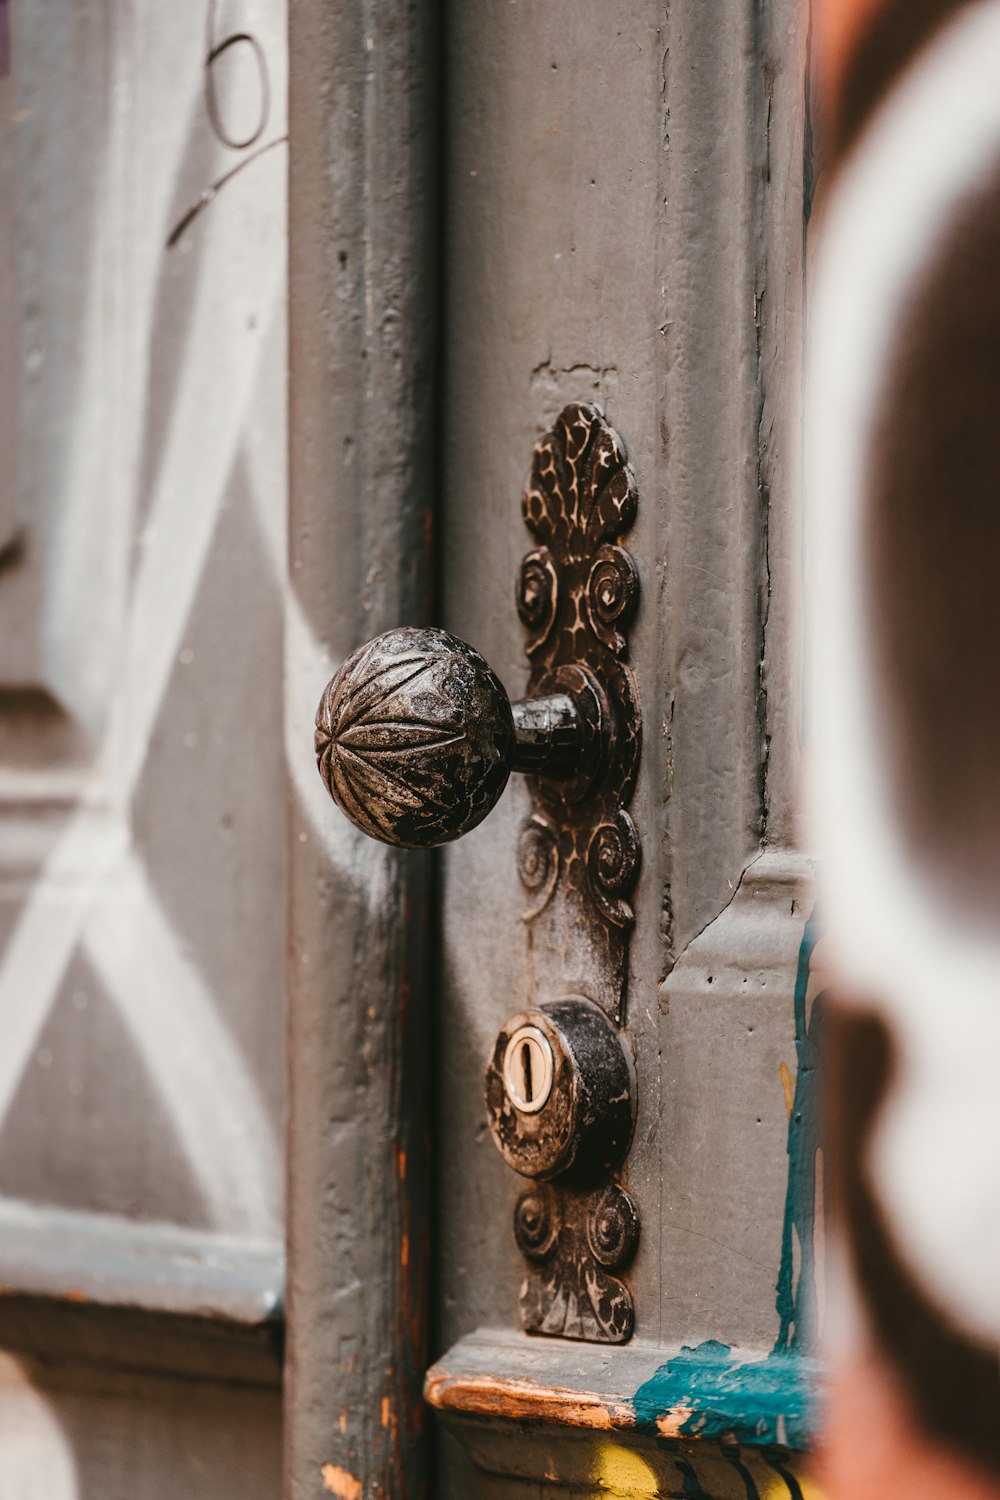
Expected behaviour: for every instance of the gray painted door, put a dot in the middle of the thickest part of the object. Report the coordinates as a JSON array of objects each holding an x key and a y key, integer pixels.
[
  {"x": 616, "y": 215},
  {"x": 142, "y": 335}
]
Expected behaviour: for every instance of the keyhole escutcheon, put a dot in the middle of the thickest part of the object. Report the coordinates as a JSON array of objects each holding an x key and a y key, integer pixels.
[{"x": 528, "y": 1069}]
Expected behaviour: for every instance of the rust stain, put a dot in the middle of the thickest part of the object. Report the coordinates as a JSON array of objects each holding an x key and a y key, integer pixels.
[
  {"x": 788, "y": 1087},
  {"x": 342, "y": 1421},
  {"x": 404, "y": 1250},
  {"x": 386, "y": 1411},
  {"x": 340, "y": 1483},
  {"x": 520, "y": 1400}
]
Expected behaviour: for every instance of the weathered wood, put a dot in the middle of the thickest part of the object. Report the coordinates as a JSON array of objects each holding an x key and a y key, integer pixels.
[
  {"x": 362, "y": 289},
  {"x": 625, "y": 225},
  {"x": 141, "y": 860},
  {"x": 95, "y": 1288}
]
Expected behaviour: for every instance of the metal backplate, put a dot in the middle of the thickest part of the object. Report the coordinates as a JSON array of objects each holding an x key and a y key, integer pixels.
[
  {"x": 577, "y": 591},
  {"x": 576, "y": 594}
]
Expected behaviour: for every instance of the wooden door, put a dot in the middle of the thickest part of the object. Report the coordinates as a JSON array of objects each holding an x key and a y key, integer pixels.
[
  {"x": 496, "y": 211},
  {"x": 142, "y": 336}
]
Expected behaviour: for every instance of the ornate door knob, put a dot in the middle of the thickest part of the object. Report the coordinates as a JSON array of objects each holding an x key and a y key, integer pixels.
[{"x": 416, "y": 737}]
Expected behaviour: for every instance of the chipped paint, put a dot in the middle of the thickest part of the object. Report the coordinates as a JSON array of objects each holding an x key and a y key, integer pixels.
[
  {"x": 520, "y": 1400},
  {"x": 672, "y": 1423},
  {"x": 708, "y": 1392},
  {"x": 340, "y": 1483}
]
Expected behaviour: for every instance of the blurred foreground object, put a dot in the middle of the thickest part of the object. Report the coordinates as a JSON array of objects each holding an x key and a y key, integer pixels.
[{"x": 903, "y": 426}]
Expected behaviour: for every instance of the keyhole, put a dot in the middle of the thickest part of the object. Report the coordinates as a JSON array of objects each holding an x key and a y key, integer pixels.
[
  {"x": 528, "y": 1069},
  {"x": 526, "y": 1065}
]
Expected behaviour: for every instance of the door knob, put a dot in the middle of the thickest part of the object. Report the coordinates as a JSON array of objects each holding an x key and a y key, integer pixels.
[{"x": 416, "y": 737}]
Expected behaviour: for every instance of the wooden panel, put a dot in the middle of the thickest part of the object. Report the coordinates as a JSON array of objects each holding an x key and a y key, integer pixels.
[
  {"x": 80, "y": 1434},
  {"x": 362, "y": 326},
  {"x": 141, "y": 731},
  {"x": 625, "y": 224},
  {"x": 140, "y": 984}
]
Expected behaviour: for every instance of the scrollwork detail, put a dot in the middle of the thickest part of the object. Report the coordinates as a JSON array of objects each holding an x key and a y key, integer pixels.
[
  {"x": 537, "y": 597},
  {"x": 611, "y": 595},
  {"x": 538, "y": 863},
  {"x": 537, "y": 1222},
  {"x": 612, "y": 1227},
  {"x": 612, "y": 866},
  {"x": 570, "y": 1291}
]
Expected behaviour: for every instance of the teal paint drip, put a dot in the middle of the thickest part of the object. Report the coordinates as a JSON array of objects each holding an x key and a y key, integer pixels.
[
  {"x": 796, "y": 1303},
  {"x": 768, "y": 1403},
  {"x": 761, "y": 1403}
]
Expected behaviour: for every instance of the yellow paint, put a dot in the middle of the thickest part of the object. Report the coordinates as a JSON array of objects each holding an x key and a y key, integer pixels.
[
  {"x": 788, "y": 1086},
  {"x": 625, "y": 1474},
  {"x": 672, "y": 1422},
  {"x": 778, "y": 1490},
  {"x": 340, "y": 1483}
]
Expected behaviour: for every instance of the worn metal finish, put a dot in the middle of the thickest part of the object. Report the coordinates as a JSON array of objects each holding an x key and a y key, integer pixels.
[
  {"x": 576, "y": 1238},
  {"x": 415, "y": 736},
  {"x": 576, "y": 595},
  {"x": 583, "y": 1127}
]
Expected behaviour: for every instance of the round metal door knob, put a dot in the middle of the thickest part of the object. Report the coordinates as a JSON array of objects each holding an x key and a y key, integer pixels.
[{"x": 416, "y": 737}]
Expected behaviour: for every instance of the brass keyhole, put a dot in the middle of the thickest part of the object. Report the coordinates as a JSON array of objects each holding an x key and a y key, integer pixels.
[{"x": 527, "y": 1069}]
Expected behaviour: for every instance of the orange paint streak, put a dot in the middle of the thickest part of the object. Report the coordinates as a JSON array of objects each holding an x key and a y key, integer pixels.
[
  {"x": 404, "y": 1250},
  {"x": 340, "y": 1483}
]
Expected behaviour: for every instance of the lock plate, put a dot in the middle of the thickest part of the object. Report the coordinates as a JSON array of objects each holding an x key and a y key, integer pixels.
[
  {"x": 568, "y": 1127},
  {"x": 577, "y": 593}
]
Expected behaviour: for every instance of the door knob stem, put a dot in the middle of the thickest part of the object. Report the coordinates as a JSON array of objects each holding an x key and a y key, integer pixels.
[{"x": 552, "y": 735}]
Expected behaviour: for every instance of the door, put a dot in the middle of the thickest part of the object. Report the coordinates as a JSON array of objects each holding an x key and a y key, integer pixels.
[
  {"x": 143, "y": 499},
  {"x": 496, "y": 212}
]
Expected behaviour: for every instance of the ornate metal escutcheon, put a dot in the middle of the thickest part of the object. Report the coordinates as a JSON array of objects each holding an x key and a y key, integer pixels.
[{"x": 416, "y": 737}]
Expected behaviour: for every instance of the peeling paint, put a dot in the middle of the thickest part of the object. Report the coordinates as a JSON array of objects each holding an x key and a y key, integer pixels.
[
  {"x": 520, "y": 1400},
  {"x": 340, "y": 1483},
  {"x": 708, "y": 1392}
]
